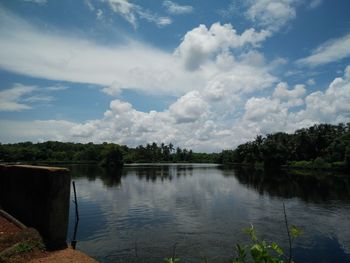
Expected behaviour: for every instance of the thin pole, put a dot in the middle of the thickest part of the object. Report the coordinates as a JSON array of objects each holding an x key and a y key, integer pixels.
[
  {"x": 75, "y": 202},
  {"x": 74, "y": 241},
  {"x": 289, "y": 238}
]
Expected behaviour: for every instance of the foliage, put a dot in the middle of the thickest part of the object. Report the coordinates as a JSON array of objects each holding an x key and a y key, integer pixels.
[
  {"x": 259, "y": 251},
  {"x": 172, "y": 260},
  {"x": 24, "y": 247},
  {"x": 321, "y": 146},
  {"x": 295, "y": 232},
  {"x": 112, "y": 156},
  {"x": 106, "y": 154},
  {"x": 17, "y": 247}
]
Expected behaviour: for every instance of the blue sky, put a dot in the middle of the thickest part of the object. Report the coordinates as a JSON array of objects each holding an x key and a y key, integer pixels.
[{"x": 206, "y": 75}]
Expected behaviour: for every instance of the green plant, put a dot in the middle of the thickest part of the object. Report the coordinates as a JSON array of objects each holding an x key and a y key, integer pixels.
[
  {"x": 259, "y": 251},
  {"x": 171, "y": 260},
  {"x": 24, "y": 247},
  {"x": 292, "y": 231}
]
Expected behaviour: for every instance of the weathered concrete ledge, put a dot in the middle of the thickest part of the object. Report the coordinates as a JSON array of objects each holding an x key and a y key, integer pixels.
[
  {"x": 39, "y": 197},
  {"x": 11, "y": 219}
]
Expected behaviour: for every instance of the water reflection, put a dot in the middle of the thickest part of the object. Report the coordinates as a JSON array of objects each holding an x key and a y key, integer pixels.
[
  {"x": 308, "y": 187},
  {"x": 110, "y": 176},
  {"x": 160, "y": 172},
  {"x": 137, "y": 214}
]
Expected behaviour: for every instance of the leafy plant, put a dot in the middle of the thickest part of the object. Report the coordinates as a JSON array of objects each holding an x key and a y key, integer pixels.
[
  {"x": 24, "y": 247},
  {"x": 171, "y": 260},
  {"x": 259, "y": 251}
]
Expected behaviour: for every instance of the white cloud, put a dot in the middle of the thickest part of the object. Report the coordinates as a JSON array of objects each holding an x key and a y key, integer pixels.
[
  {"x": 99, "y": 14},
  {"x": 40, "y": 2},
  {"x": 23, "y": 97},
  {"x": 193, "y": 121},
  {"x": 36, "y": 131},
  {"x": 26, "y": 50},
  {"x": 125, "y": 9},
  {"x": 201, "y": 43},
  {"x": 133, "y": 65},
  {"x": 272, "y": 14},
  {"x": 160, "y": 21},
  {"x": 39, "y": 98},
  {"x": 209, "y": 97},
  {"x": 189, "y": 108},
  {"x": 176, "y": 9},
  {"x": 131, "y": 12},
  {"x": 217, "y": 106},
  {"x": 332, "y": 105},
  {"x": 291, "y": 97},
  {"x": 89, "y": 5},
  {"x": 311, "y": 82},
  {"x": 333, "y": 50},
  {"x": 315, "y": 3},
  {"x": 10, "y": 99},
  {"x": 56, "y": 88},
  {"x": 266, "y": 115}
]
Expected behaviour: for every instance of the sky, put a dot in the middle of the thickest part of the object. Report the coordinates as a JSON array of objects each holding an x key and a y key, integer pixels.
[{"x": 205, "y": 75}]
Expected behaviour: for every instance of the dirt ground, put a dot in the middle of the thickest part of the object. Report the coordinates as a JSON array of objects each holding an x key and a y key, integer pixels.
[
  {"x": 65, "y": 256},
  {"x": 6, "y": 227},
  {"x": 25, "y": 245}
]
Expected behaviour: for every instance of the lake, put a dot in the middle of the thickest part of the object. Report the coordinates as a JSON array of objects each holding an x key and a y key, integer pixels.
[{"x": 145, "y": 213}]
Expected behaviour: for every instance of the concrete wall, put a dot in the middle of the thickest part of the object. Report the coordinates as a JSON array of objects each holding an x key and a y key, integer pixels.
[{"x": 38, "y": 197}]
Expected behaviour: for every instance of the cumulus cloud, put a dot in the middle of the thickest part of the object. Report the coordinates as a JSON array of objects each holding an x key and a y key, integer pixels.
[
  {"x": 131, "y": 12},
  {"x": 332, "y": 105},
  {"x": 176, "y": 9},
  {"x": 272, "y": 14},
  {"x": 217, "y": 105},
  {"x": 189, "y": 108},
  {"x": 271, "y": 114},
  {"x": 209, "y": 97},
  {"x": 201, "y": 43},
  {"x": 333, "y": 50},
  {"x": 12, "y": 99},
  {"x": 267, "y": 115},
  {"x": 291, "y": 97},
  {"x": 194, "y": 122}
]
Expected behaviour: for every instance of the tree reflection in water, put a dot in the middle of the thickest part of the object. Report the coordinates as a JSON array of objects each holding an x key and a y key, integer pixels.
[{"x": 312, "y": 186}]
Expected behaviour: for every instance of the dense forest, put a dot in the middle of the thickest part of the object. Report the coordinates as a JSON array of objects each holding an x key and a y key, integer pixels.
[
  {"x": 107, "y": 154},
  {"x": 319, "y": 146}
]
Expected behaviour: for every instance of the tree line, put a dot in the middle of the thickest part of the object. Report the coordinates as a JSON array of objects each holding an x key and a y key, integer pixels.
[
  {"x": 319, "y": 146},
  {"x": 106, "y": 154}
]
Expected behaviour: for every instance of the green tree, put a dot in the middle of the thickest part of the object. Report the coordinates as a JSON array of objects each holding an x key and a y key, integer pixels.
[{"x": 112, "y": 156}]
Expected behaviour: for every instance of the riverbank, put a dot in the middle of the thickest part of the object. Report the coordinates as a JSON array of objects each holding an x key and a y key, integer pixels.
[{"x": 21, "y": 245}]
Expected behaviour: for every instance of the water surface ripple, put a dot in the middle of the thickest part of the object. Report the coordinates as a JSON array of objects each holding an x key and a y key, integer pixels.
[{"x": 144, "y": 213}]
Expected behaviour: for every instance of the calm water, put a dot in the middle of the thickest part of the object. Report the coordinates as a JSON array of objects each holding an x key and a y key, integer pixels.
[{"x": 147, "y": 212}]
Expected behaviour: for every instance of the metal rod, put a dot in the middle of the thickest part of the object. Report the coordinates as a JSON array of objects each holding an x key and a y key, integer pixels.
[
  {"x": 289, "y": 238},
  {"x": 74, "y": 241},
  {"x": 75, "y": 202}
]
